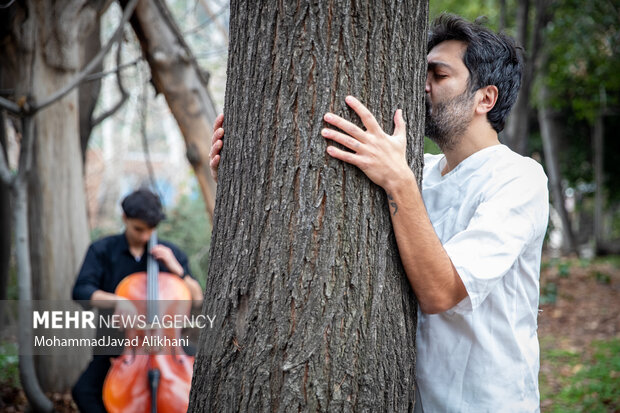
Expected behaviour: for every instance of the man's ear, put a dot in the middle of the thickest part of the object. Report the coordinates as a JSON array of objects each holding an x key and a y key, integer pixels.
[{"x": 487, "y": 98}]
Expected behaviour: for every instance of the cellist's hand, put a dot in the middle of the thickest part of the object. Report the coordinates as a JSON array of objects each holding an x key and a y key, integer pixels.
[{"x": 166, "y": 256}]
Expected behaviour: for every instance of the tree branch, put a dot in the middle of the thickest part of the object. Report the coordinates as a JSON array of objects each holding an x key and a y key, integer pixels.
[
  {"x": 100, "y": 75},
  {"x": 92, "y": 64},
  {"x": 121, "y": 87},
  {"x": 171, "y": 22},
  {"x": 10, "y": 106}
]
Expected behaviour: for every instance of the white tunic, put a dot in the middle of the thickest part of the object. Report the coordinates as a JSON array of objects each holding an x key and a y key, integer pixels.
[{"x": 490, "y": 214}]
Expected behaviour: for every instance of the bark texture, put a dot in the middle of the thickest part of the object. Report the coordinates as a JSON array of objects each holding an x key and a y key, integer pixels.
[{"x": 313, "y": 310}]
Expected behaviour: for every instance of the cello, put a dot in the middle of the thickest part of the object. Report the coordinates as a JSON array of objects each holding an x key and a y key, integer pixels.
[{"x": 146, "y": 378}]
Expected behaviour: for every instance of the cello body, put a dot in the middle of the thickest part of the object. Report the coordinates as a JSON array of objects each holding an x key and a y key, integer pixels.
[{"x": 129, "y": 386}]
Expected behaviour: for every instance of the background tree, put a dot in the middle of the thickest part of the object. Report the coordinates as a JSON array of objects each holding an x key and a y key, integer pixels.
[
  {"x": 313, "y": 311},
  {"x": 41, "y": 59}
]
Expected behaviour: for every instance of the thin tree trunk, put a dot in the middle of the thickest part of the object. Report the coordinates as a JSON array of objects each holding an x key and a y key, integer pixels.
[
  {"x": 548, "y": 130},
  {"x": 27, "y": 373},
  {"x": 89, "y": 91},
  {"x": 502, "y": 15},
  {"x": 313, "y": 310},
  {"x": 516, "y": 134},
  {"x": 597, "y": 147},
  {"x": 176, "y": 74},
  {"x": 5, "y": 222}
]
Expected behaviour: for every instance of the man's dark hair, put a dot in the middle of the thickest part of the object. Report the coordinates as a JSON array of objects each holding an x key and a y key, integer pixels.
[
  {"x": 491, "y": 58},
  {"x": 145, "y": 205}
]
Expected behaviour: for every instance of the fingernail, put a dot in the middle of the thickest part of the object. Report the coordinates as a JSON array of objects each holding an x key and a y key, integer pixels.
[
  {"x": 328, "y": 116},
  {"x": 325, "y": 132}
]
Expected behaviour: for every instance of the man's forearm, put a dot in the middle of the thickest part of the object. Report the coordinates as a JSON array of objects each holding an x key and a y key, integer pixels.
[{"x": 429, "y": 269}]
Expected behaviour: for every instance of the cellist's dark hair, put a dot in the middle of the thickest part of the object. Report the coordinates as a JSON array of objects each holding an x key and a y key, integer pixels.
[
  {"x": 491, "y": 58},
  {"x": 145, "y": 205}
]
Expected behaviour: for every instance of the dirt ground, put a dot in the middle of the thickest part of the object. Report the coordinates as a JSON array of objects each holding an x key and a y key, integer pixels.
[{"x": 586, "y": 308}]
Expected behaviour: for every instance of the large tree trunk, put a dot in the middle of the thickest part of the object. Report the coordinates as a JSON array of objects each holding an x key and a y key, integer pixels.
[
  {"x": 176, "y": 74},
  {"x": 313, "y": 310},
  {"x": 41, "y": 56}
]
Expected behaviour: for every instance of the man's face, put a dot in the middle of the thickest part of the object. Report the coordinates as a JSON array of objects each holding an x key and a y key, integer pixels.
[
  {"x": 449, "y": 104},
  {"x": 137, "y": 231}
]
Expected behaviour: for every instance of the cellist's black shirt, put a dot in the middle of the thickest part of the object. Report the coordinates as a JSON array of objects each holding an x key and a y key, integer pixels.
[{"x": 108, "y": 261}]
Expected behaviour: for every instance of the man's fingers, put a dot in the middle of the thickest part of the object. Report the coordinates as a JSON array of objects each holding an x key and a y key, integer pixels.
[
  {"x": 215, "y": 161},
  {"x": 367, "y": 118},
  {"x": 400, "y": 127},
  {"x": 217, "y": 135},
  {"x": 216, "y": 148},
  {"x": 344, "y": 156},
  {"x": 346, "y": 126},
  {"x": 342, "y": 139},
  {"x": 219, "y": 121}
]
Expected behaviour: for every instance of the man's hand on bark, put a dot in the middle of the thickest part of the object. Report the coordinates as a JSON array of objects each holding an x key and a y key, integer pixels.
[
  {"x": 380, "y": 156},
  {"x": 216, "y": 145}
]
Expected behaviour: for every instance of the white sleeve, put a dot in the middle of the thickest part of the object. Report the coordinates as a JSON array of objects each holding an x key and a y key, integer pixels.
[{"x": 503, "y": 225}]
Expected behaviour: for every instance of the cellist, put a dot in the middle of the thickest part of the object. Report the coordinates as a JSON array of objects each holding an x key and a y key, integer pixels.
[{"x": 111, "y": 259}]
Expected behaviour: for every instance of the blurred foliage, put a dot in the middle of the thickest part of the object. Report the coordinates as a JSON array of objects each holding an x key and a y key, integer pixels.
[
  {"x": 187, "y": 225},
  {"x": 583, "y": 39},
  {"x": 472, "y": 10},
  {"x": 9, "y": 364},
  {"x": 583, "y": 42},
  {"x": 548, "y": 293}
]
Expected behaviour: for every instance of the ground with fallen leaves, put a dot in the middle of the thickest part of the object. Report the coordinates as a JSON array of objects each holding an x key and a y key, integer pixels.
[
  {"x": 581, "y": 305},
  {"x": 584, "y": 308}
]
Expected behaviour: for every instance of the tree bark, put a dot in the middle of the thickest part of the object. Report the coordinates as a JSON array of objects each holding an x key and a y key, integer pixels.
[
  {"x": 313, "y": 310},
  {"x": 41, "y": 55},
  {"x": 548, "y": 130},
  {"x": 176, "y": 74}
]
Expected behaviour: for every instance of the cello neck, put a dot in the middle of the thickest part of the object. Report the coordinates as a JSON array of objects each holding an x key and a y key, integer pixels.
[{"x": 152, "y": 274}]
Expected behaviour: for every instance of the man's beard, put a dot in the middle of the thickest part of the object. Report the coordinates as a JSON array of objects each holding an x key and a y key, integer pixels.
[{"x": 447, "y": 121}]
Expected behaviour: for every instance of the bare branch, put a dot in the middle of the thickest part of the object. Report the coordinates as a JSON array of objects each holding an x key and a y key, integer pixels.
[
  {"x": 213, "y": 16},
  {"x": 121, "y": 87},
  {"x": 99, "y": 75},
  {"x": 6, "y": 6},
  {"x": 171, "y": 22},
  {"x": 10, "y": 106},
  {"x": 93, "y": 63}
]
